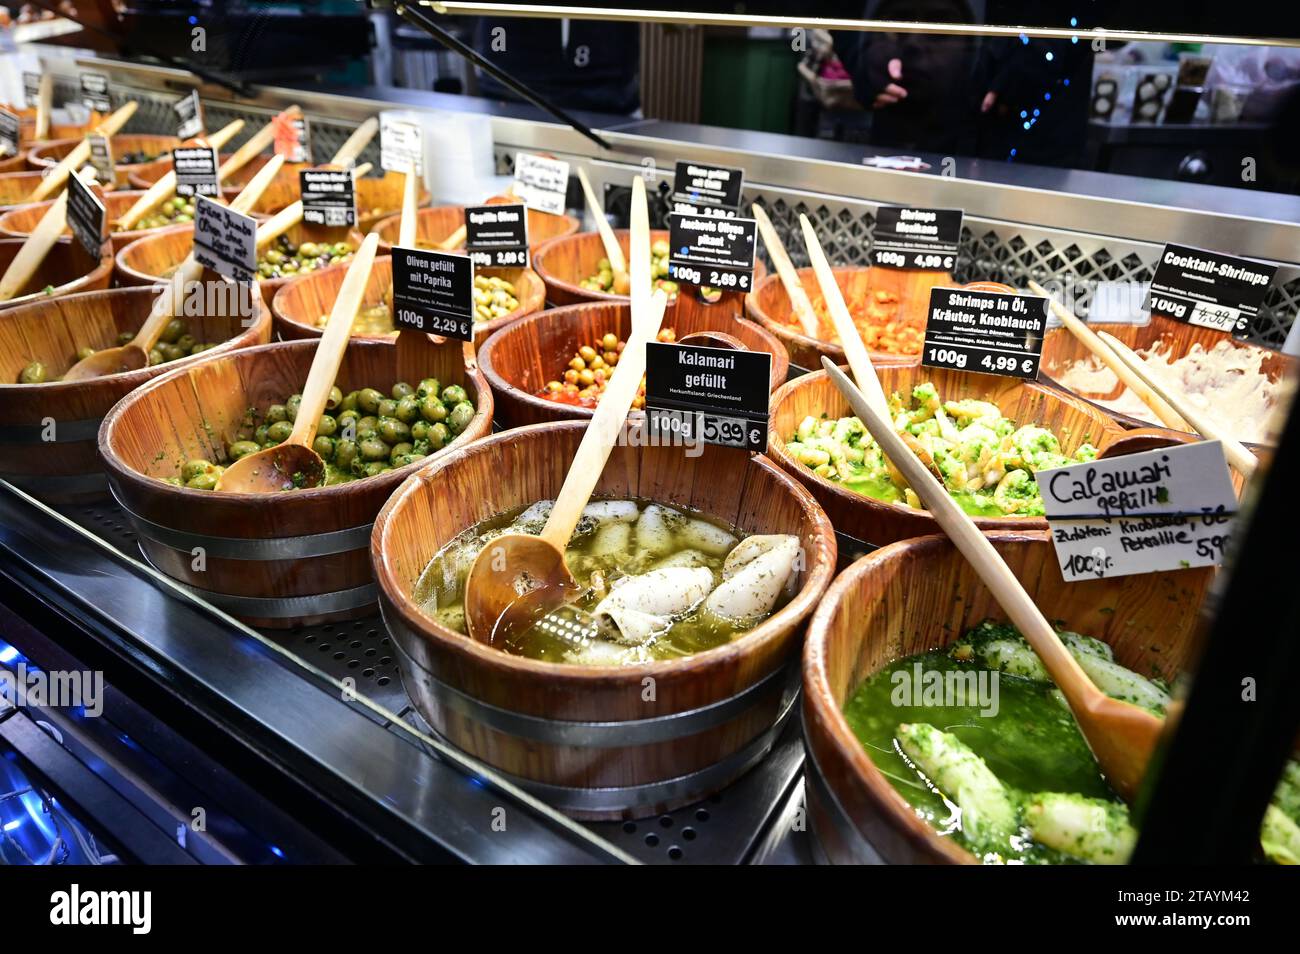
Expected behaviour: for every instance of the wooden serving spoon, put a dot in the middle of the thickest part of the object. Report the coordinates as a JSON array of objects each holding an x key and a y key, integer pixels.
[
  {"x": 165, "y": 187},
  {"x": 58, "y": 176},
  {"x": 294, "y": 464},
  {"x": 613, "y": 251},
  {"x": 1121, "y": 736},
  {"x": 134, "y": 355},
  {"x": 1088, "y": 338},
  {"x": 33, "y": 251},
  {"x": 406, "y": 231},
  {"x": 44, "y": 105},
  {"x": 1242, "y": 460},
  {"x": 356, "y": 144},
  {"x": 794, "y": 290},
  {"x": 519, "y": 577}
]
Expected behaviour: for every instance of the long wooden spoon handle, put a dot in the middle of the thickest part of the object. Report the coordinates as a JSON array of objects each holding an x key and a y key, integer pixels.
[
  {"x": 975, "y": 547},
  {"x": 167, "y": 304},
  {"x": 80, "y": 153},
  {"x": 257, "y": 142},
  {"x": 291, "y": 215},
  {"x": 613, "y": 251},
  {"x": 407, "y": 230},
  {"x": 165, "y": 187},
  {"x": 850, "y": 340},
  {"x": 1088, "y": 338},
  {"x": 33, "y": 251},
  {"x": 639, "y": 249},
  {"x": 249, "y": 195},
  {"x": 356, "y": 143},
  {"x": 794, "y": 290},
  {"x": 1241, "y": 459},
  {"x": 44, "y": 104},
  {"x": 333, "y": 342}
]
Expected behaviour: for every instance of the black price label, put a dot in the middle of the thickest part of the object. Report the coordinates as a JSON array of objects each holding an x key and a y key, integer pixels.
[
  {"x": 707, "y": 190},
  {"x": 993, "y": 332},
  {"x": 916, "y": 239},
  {"x": 94, "y": 92},
  {"x": 715, "y": 395},
  {"x": 86, "y": 215},
  {"x": 711, "y": 251},
  {"x": 10, "y": 132},
  {"x": 225, "y": 240},
  {"x": 101, "y": 158},
  {"x": 196, "y": 171},
  {"x": 32, "y": 89},
  {"x": 328, "y": 197},
  {"x": 1209, "y": 289},
  {"x": 433, "y": 292},
  {"x": 189, "y": 116},
  {"x": 496, "y": 236}
]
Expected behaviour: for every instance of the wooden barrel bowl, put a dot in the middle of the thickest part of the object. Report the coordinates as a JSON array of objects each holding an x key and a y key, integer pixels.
[
  {"x": 67, "y": 468},
  {"x": 565, "y": 261},
  {"x": 1073, "y": 420},
  {"x": 50, "y": 153},
  {"x": 146, "y": 260},
  {"x": 16, "y": 163},
  {"x": 436, "y": 224},
  {"x": 769, "y": 305},
  {"x": 1061, "y": 349},
  {"x": 520, "y": 359},
  {"x": 298, "y": 305},
  {"x": 146, "y": 174},
  {"x": 380, "y": 196},
  {"x": 27, "y": 128},
  {"x": 19, "y": 222},
  {"x": 67, "y": 269},
  {"x": 16, "y": 188},
  {"x": 922, "y": 594},
  {"x": 712, "y": 715},
  {"x": 272, "y": 560}
]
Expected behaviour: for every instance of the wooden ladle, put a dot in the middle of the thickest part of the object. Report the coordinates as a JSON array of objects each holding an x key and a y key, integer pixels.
[
  {"x": 1121, "y": 736},
  {"x": 519, "y": 577},
  {"x": 794, "y": 290},
  {"x": 294, "y": 463},
  {"x": 613, "y": 251},
  {"x": 134, "y": 355}
]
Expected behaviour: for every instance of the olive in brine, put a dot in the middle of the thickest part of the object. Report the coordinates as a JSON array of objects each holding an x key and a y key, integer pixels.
[
  {"x": 373, "y": 449},
  {"x": 460, "y": 416},
  {"x": 454, "y": 394},
  {"x": 368, "y": 400},
  {"x": 34, "y": 373}
]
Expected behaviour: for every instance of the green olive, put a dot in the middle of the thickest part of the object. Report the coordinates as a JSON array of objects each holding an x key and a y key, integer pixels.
[
  {"x": 308, "y": 250},
  {"x": 203, "y": 482},
  {"x": 84, "y": 353},
  {"x": 393, "y": 431},
  {"x": 291, "y": 407},
  {"x": 279, "y": 432},
  {"x": 276, "y": 413},
  {"x": 324, "y": 446},
  {"x": 373, "y": 449},
  {"x": 349, "y": 402},
  {"x": 429, "y": 387},
  {"x": 377, "y": 467},
  {"x": 175, "y": 328},
  {"x": 401, "y": 389},
  {"x": 387, "y": 408},
  {"x": 399, "y": 450},
  {"x": 334, "y": 400},
  {"x": 367, "y": 427},
  {"x": 327, "y": 426},
  {"x": 125, "y": 337},
  {"x": 368, "y": 400},
  {"x": 408, "y": 409},
  {"x": 438, "y": 436},
  {"x": 243, "y": 449},
  {"x": 260, "y": 434},
  {"x": 195, "y": 468},
  {"x": 460, "y": 417},
  {"x": 433, "y": 411},
  {"x": 454, "y": 394},
  {"x": 155, "y": 357},
  {"x": 34, "y": 373},
  {"x": 420, "y": 431},
  {"x": 345, "y": 451}
]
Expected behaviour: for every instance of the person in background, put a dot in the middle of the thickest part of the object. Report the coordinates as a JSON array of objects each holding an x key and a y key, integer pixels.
[{"x": 577, "y": 64}]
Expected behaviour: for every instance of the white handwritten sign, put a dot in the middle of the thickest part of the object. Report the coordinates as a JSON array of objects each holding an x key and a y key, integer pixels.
[
  {"x": 1165, "y": 509},
  {"x": 225, "y": 240},
  {"x": 542, "y": 183}
]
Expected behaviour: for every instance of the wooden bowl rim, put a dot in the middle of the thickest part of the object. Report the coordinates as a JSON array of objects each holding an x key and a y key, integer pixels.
[
  {"x": 776, "y": 448},
  {"x": 565, "y": 313},
  {"x": 35, "y": 154},
  {"x": 130, "y": 378},
  {"x": 572, "y": 288},
  {"x": 102, "y": 270},
  {"x": 391, "y": 220},
  {"x": 817, "y": 690},
  {"x": 130, "y": 234},
  {"x": 424, "y": 480},
  {"x": 112, "y": 420}
]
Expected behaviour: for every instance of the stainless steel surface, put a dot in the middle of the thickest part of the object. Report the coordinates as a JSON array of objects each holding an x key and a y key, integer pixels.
[{"x": 743, "y": 20}]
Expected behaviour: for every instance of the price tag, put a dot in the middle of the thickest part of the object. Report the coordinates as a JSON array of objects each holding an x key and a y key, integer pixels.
[
  {"x": 86, "y": 215},
  {"x": 32, "y": 90},
  {"x": 1165, "y": 509},
  {"x": 189, "y": 116},
  {"x": 292, "y": 138},
  {"x": 225, "y": 240},
  {"x": 992, "y": 332},
  {"x": 94, "y": 92},
  {"x": 715, "y": 395},
  {"x": 711, "y": 251},
  {"x": 433, "y": 292},
  {"x": 542, "y": 183},
  {"x": 196, "y": 171},
  {"x": 328, "y": 197},
  {"x": 401, "y": 145},
  {"x": 10, "y": 132},
  {"x": 1209, "y": 289},
  {"x": 707, "y": 190},
  {"x": 101, "y": 158},
  {"x": 496, "y": 236},
  {"x": 916, "y": 239}
]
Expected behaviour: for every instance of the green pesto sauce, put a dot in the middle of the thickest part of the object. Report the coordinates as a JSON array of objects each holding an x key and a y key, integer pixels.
[
  {"x": 885, "y": 490},
  {"x": 1032, "y": 744}
]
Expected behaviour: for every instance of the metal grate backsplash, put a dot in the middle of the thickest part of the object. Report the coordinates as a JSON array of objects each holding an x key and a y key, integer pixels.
[{"x": 991, "y": 250}]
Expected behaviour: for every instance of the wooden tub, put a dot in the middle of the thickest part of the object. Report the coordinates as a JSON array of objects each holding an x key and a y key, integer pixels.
[
  {"x": 19, "y": 222},
  {"x": 65, "y": 467},
  {"x": 520, "y": 359},
  {"x": 67, "y": 269},
  {"x": 50, "y": 153},
  {"x": 921, "y": 594},
  {"x": 274, "y": 560},
  {"x": 438, "y": 223},
  {"x": 590, "y": 740}
]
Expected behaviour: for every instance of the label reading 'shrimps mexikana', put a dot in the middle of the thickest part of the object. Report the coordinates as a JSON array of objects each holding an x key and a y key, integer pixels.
[
  {"x": 1209, "y": 289},
  {"x": 916, "y": 239},
  {"x": 990, "y": 331}
]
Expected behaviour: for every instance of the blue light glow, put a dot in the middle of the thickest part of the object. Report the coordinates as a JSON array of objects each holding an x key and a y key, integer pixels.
[
  {"x": 1023, "y": 114},
  {"x": 10, "y": 826},
  {"x": 193, "y": 20},
  {"x": 1074, "y": 21},
  {"x": 1049, "y": 56},
  {"x": 1013, "y": 152},
  {"x": 277, "y": 852},
  {"x": 1047, "y": 96},
  {"x": 8, "y": 653}
]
